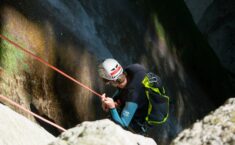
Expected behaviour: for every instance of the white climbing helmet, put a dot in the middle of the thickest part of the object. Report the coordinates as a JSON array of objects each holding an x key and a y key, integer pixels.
[{"x": 110, "y": 69}]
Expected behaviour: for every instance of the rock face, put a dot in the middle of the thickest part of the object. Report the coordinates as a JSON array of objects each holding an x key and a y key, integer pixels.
[
  {"x": 18, "y": 130},
  {"x": 215, "y": 19},
  {"x": 198, "y": 8},
  {"x": 217, "y": 128},
  {"x": 102, "y": 132},
  {"x": 74, "y": 35},
  {"x": 218, "y": 26}
]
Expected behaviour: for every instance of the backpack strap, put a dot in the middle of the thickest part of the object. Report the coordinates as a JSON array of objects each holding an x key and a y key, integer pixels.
[{"x": 154, "y": 91}]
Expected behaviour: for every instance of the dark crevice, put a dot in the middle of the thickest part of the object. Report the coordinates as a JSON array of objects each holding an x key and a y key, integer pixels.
[
  {"x": 198, "y": 57},
  {"x": 53, "y": 130}
]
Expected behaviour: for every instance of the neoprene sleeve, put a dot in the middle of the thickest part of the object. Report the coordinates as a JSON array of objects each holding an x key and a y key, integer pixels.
[{"x": 126, "y": 114}]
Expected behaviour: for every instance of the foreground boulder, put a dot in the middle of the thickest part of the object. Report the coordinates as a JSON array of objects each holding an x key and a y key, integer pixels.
[
  {"x": 102, "y": 132},
  {"x": 218, "y": 128},
  {"x": 17, "y": 130}
]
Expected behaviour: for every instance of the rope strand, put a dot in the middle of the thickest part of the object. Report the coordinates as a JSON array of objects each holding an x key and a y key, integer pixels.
[
  {"x": 49, "y": 65},
  {"x": 30, "y": 112},
  {"x": 52, "y": 67}
]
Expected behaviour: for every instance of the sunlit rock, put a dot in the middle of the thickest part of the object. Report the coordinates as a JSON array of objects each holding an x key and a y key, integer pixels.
[
  {"x": 18, "y": 130},
  {"x": 216, "y": 129},
  {"x": 102, "y": 132}
]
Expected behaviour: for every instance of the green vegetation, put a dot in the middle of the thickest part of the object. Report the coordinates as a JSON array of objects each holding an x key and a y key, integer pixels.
[
  {"x": 158, "y": 28},
  {"x": 11, "y": 59}
]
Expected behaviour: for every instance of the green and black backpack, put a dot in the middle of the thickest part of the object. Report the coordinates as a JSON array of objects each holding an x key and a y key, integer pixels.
[{"x": 158, "y": 106}]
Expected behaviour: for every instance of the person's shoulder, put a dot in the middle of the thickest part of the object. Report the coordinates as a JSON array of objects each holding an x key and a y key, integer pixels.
[{"x": 136, "y": 66}]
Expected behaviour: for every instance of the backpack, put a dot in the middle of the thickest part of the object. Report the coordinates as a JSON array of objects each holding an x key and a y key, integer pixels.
[{"x": 158, "y": 101}]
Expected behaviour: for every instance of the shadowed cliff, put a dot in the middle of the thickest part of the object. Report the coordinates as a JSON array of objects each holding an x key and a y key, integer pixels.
[{"x": 75, "y": 35}]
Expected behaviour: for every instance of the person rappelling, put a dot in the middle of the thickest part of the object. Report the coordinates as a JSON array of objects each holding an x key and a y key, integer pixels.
[{"x": 140, "y": 101}]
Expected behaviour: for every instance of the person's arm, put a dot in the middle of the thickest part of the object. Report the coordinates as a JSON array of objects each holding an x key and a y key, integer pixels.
[
  {"x": 126, "y": 115},
  {"x": 108, "y": 103}
]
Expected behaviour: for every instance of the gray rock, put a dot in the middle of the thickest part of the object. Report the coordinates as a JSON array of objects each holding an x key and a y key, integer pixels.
[
  {"x": 215, "y": 20},
  {"x": 218, "y": 128},
  {"x": 198, "y": 8},
  {"x": 17, "y": 130},
  {"x": 101, "y": 132}
]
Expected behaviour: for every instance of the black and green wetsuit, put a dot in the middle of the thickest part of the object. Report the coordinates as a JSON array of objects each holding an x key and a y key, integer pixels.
[{"x": 134, "y": 102}]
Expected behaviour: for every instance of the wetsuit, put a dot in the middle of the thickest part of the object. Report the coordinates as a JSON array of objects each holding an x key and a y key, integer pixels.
[
  {"x": 132, "y": 99},
  {"x": 134, "y": 107}
]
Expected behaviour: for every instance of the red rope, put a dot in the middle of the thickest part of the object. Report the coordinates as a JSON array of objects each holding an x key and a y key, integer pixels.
[
  {"x": 52, "y": 67},
  {"x": 49, "y": 65},
  {"x": 35, "y": 115}
]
